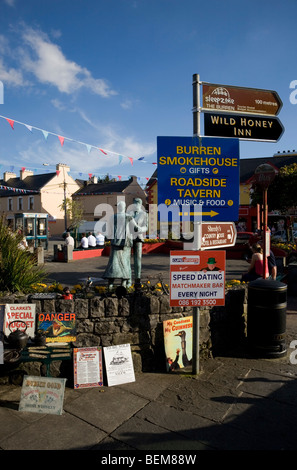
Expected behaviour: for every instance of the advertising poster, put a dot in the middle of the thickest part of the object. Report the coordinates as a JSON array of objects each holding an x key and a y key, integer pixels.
[
  {"x": 42, "y": 395},
  {"x": 119, "y": 364},
  {"x": 88, "y": 371},
  {"x": 178, "y": 344},
  {"x": 19, "y": 317},
  {"x": 197, "y": 278},
  {"x": 199, "y": 171},
  {"x": 57, "y": 327}
]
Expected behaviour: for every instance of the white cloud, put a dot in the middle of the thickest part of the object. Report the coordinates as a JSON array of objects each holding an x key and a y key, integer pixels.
[
  {"x": 10, "y": 2},
  {"x": 49, "y": 65},
  {"x": 11, "y": 76},
  {"x": 44, "y": 59}
]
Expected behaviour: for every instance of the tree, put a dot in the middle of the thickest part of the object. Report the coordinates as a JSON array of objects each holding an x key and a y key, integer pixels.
[
  {"x": 18, "y": 269},
  {"x": 282, "y": 193},
  {"x": 74, "y": 211}
]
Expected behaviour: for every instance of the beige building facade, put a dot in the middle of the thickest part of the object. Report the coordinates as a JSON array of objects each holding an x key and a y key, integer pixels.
[
  {"x": 94, "y": 195},
  {"x": 41, "y": 194}
]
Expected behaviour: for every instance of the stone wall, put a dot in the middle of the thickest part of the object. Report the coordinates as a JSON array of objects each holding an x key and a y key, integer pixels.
[{"x": 137, "y": 319}]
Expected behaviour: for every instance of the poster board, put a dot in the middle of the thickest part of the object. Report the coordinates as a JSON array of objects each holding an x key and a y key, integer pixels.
[
  {"x": 178, "y": 344},
  {"x": 119, "y": 364},
  {"x": 57, "y": 327},
  {"x": 88, "y": 370},
  {"x": 197, "y": 278},
  {"x": 19, "y": 317},
  {"x": 42, "y": 395}
]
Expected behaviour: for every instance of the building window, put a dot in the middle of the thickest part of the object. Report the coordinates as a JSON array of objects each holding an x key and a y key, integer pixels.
[
  {"x": 31, "y": 203},
  {"x": 9, "y": 204},
  {"x": 20, "y": 203}
]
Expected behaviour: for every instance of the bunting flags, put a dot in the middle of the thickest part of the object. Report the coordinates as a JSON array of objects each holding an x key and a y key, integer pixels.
[{"x": 62, "y": 140}]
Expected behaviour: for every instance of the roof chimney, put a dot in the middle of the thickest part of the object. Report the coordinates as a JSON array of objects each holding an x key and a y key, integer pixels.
[
  {"x": 24, "y": 173},
  {"x": 7, "y": 175},
  {"x": 62, "y": 166}
]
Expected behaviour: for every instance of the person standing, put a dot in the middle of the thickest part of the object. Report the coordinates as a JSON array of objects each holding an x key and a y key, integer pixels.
[{"x": 69, "y": 240}]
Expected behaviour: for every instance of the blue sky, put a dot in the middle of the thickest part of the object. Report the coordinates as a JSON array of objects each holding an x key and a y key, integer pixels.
[{"x": 115, "y": 74}]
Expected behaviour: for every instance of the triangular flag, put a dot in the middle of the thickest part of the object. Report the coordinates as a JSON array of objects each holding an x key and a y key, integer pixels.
[
  {"x": 58, "y": 172},
  {"x": 61, "y": 139},
  {"x": 23, "y": 168},
  {"x": 120, "y": 178},
  {"x": 90, "y": 175},
  {"x": 131, "y": 160},
  {"x": 11, "y": 122},
  {"x": 120, "y": 159},
  {"x": 45, "y": 133},
  {"x": 141, "y": 158},
  {"x": 29, "y": 127},
  {"x": 88, "y": 148},
  {"x": 103, "y": 152}
]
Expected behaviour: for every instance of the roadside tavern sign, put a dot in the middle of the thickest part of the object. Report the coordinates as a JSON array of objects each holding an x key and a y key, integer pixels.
[{"x": 199, "y": 171}]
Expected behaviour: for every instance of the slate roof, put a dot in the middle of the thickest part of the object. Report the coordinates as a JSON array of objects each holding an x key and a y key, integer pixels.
[
  {"x": 103, "y": 188},
  {"x": 32, "y": 183}
]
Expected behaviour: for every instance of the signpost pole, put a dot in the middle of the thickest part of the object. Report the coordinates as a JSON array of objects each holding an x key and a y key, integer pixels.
[
  {"x": 197, "y": 230},
  {"x": 196, "y": 101},
  {"x": 196, "y": 310}
]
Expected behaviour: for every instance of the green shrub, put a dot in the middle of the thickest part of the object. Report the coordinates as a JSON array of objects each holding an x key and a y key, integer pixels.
[{"x": 18, "y": 269}]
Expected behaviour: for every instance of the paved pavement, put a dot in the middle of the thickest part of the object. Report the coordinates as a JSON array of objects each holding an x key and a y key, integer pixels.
[{"x": 236, "y": 402}]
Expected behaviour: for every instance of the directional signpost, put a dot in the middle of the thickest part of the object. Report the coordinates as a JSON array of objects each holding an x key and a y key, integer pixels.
[
  {"x": 243, "y": 127},
  {"x": 234, "y": 99},
  {"x": 217, "y": 235},
  {"x": 251, "y": 113}
]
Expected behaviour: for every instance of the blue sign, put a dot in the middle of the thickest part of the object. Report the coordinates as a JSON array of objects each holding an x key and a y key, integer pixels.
[{"x": 201, "y": 171}]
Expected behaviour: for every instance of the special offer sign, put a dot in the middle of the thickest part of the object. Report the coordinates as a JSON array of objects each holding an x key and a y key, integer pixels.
[
  {"x": 197, "y": 278},
  {"x": 19, "y": 317}
]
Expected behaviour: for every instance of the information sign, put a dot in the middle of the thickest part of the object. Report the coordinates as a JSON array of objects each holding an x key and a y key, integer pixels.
[
  {"x": 240, "y": 100},
  {"x": 197, "y": 278},
  {"x": 199, "y": 171},
  {"x": 88, "y": 369},
  {"x": 260, "y": 128},
  {"x": 217, "y": 235}
]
